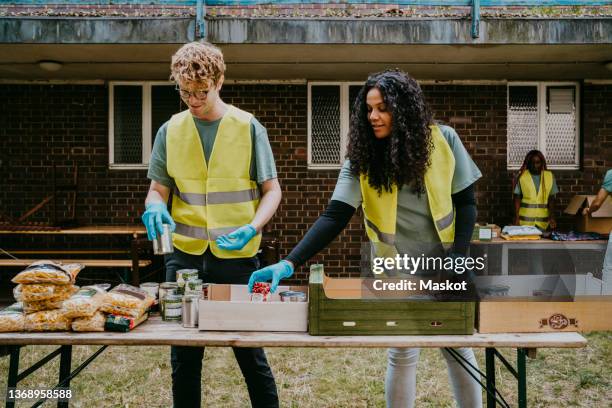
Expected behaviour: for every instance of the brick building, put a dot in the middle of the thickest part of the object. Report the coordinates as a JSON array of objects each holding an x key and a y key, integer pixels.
[{"x": 85, "y": 83}]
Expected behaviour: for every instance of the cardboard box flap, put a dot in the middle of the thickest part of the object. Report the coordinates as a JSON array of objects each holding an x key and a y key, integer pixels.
[
  {"x": 605, "y": 210},
  {"x": 576, "y": 204}
]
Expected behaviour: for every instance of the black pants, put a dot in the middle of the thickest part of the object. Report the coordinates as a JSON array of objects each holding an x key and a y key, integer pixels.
[{"x": 187, "y": 361}]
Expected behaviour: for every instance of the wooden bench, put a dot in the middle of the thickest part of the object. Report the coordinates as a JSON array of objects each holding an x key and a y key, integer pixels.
[{"x": 93, "y": 263}]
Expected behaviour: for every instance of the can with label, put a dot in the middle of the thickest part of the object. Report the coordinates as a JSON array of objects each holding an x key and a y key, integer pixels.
[
  {"x": 194, "y": 287},
  {"x": 184, "y": 275},
  {"x": 173, "y": 307},
  {"x": 166, "y": 288}
]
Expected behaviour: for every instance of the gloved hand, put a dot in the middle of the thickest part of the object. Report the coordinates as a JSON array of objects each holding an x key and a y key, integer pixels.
[
  {"x": 237, "y": 239},
  {"x": 155, "y": 215},
  {"x": 275, "y": 272}
]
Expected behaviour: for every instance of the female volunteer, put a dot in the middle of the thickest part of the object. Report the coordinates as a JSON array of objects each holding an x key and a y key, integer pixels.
[
  {"x": 534, "y": 190},
  {"x": 407, "y": 174}
]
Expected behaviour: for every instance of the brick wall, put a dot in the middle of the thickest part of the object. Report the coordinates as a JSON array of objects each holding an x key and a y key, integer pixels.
[{"x": 66, "y": 124}]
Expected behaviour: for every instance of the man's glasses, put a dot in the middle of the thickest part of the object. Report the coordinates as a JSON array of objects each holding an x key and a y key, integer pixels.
[{"x": 199, "y": 94}]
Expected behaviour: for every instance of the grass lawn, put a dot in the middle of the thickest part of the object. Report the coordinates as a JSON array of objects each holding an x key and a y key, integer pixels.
[{"x": 140, "y": 377}]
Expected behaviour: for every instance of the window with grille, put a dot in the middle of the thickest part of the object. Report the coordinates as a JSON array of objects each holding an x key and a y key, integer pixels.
[
  {"x": 544, "y": 116},
  {"x": 329, "y": 105},
  {"x": 136, "y": 112}
]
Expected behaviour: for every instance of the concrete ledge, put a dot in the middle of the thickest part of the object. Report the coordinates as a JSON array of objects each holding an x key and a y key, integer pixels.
[{"x": 96, "y": 30}]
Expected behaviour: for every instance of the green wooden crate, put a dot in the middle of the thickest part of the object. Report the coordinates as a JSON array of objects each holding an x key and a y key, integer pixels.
[{"x": 337, "y": 317}]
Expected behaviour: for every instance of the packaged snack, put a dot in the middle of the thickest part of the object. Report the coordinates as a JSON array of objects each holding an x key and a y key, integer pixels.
[
  {"x": 31, "y": 307},
  {"x": 127, "y": 300},
  {"x": 49, "y": 272},
  {"x": 35, "y": 292},
  {"x": 12, "y": 319},
  {"x": 47, "y": 320},
  {"x": 123, "y": 323},
  {"x": 85, "y": 302},
  {"x": 94, "y": 323}
]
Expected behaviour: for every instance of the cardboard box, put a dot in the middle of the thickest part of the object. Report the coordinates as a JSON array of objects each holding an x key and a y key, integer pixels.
[
  {"x": 229, "y": 307},
  {"x": 600, "y": 221},
  {"x": 584, "y": 315}
]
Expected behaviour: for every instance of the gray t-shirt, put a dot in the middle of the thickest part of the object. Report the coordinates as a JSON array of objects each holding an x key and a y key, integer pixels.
[
  {"x": 536, "y": 182},
  {"x": 262, "y": 160},
  {"x": 414, "y": 220}
]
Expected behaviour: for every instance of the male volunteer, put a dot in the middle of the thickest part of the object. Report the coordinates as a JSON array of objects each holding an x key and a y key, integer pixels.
[{"x": 217, "y": 161}]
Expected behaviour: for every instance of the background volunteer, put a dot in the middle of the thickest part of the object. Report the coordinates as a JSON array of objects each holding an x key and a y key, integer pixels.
[
  {"x": 198, "y": 153},
  {"x": 414, "y": 221}
]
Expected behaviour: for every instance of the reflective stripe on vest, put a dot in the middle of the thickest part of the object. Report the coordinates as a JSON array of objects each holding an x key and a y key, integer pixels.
[
  {"x": 534, "y": 205},
  {"x": 380, "y": 211},
  {"x": 211, "y": 199}
]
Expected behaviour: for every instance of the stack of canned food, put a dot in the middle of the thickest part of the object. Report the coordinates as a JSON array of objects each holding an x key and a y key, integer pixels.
[{"x": 178, "y": 301}]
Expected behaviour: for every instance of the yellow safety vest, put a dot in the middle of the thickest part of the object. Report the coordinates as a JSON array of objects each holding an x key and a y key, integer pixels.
[
  {"x": 215, "y": 199},
  {"x": 380, "y": 211},
  {"x": 534, "y": 206}
]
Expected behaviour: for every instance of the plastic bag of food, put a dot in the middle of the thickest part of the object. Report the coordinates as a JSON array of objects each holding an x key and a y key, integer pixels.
[
  {"x": 31, "y": 307},
  {"x": 127, "y": 300},
  {"x": 47, "y": 320},
  {"x": 49, "y": 272},
  {"x": 34, "y": 292},
  {"x": 12, "y": 319},
  {"x": 123, "y": 323},
  {"x": 94, "y": 323},
  {"x": 85, "y": 302}
]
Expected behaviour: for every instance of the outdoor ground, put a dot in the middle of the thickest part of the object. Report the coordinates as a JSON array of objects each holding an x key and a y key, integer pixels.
[{"x": 140, "y": 377}]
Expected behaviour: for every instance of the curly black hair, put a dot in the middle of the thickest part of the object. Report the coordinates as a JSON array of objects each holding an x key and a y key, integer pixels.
[{"x": 403, "y": 156}]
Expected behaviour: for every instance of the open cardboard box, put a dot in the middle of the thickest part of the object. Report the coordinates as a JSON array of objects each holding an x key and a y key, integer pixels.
[
  {"x": 600, "y": 221},
  {"x": 229, "y": 307}
]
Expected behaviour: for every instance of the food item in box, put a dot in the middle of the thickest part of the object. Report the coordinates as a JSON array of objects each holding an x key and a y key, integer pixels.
[
  {"x": 35, "y": 292},
  {"x": 31, "y": 307},
  {"x": 123, "y": 323},
  {"x": 127, "y": 300},
  {"x": 49, "y": 272},
  {"x": 85, "y": 302},
  {"x": 47, "y": 320},
  {"x": 261, "y": 291},
  {"x": 94, "y": 323},
  {"x": 12, "y": 319}
]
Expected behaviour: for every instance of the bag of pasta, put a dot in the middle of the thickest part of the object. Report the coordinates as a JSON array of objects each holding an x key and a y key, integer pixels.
[
  {"x": 94, "y": 323},
  {"x": 85, "y": 302},
  {"x": 127, "y": 300},
  {"x": 12, "y": 319},
  {"x": 35, "y": 292},
  {"x": 47, "y": 320},
  {"x": 31, "y": 307},
  {"x": 49, "y": 272}
]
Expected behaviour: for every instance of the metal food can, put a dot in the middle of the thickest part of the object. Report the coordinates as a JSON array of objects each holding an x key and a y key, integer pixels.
[
  {"x": 173, "y": 308},
  {"x": 292, "y": 296},
  {"x": 166, "y": 288},
  {"x": 183, "y": 276},
  {"x": 152, "y": 288},
  {"x": 162, "y": 244},
  {"x": 190, "y": 310},
  {"x": 193, "y": 287}
]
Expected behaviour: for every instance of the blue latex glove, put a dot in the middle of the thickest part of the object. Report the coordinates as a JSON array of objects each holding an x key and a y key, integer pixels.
[
  {"x": 155, "y": 215},
  {"x": 237, "y": 239},
  {"x": 275, "y": 273}
]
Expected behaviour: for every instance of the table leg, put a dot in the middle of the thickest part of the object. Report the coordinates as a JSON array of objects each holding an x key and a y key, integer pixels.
[
  {"x": 490, "y": 369},
  {"x": 521, "y": 366},
  {"x": 64, "y": 371},
  {"x": 135, "y": 259},
  {"x": 13, "y": 372}
]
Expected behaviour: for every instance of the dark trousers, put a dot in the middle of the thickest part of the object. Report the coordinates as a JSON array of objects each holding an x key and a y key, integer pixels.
[{"x": 187, "y": 361}]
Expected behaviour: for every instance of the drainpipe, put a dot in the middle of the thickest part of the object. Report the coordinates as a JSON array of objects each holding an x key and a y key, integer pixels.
[
  {"x": 475, "y": 18},
  {"x": 200, "y": 22}
]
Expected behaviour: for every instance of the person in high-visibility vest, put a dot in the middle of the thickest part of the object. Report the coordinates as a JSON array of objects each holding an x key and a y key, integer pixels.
[
  {"x": 534, "y": 190},
  {"x": 414, "y": 181},
  {"x": 216, "y": 161}
]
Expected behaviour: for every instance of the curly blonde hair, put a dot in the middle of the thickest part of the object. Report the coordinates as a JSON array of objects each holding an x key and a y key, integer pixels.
[{"x": 197, "y": 62}]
